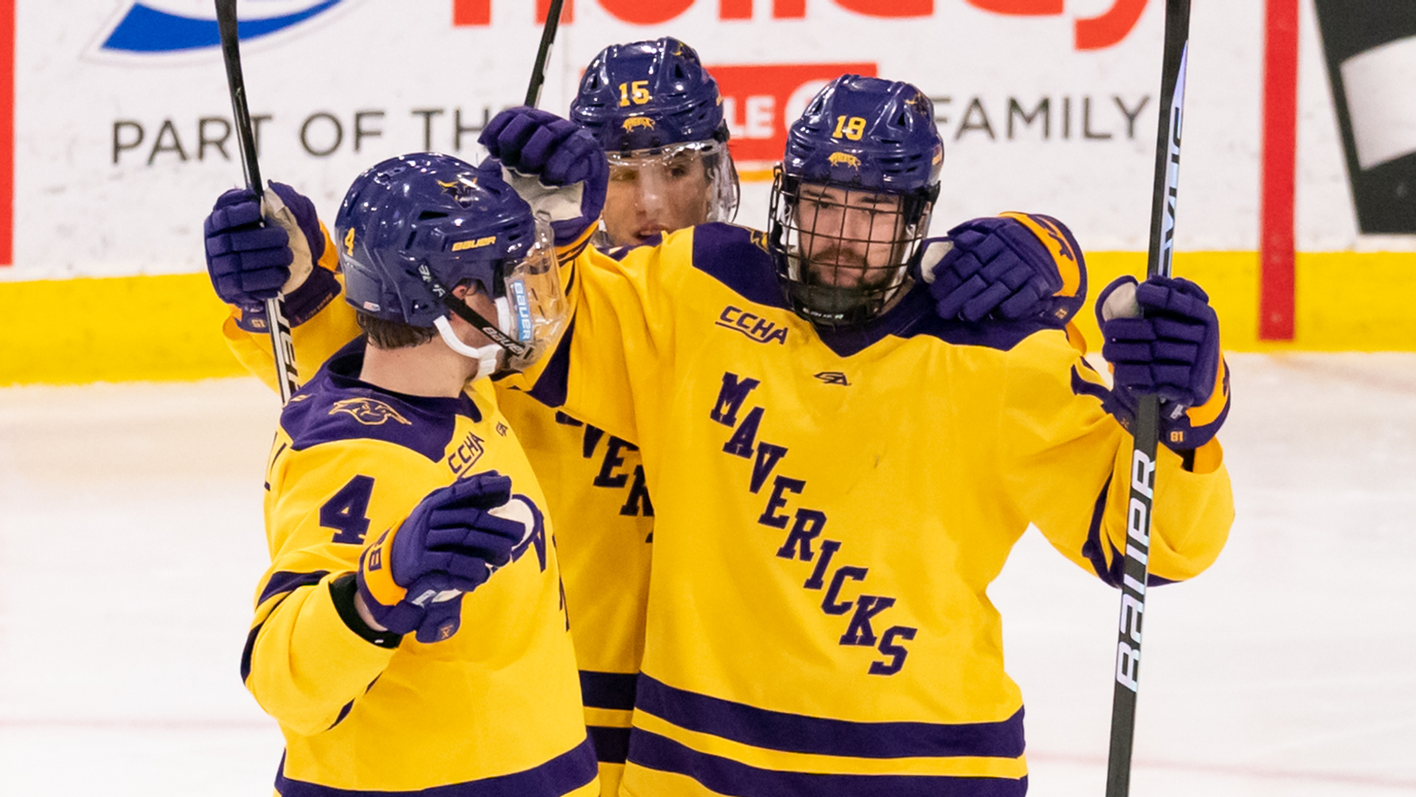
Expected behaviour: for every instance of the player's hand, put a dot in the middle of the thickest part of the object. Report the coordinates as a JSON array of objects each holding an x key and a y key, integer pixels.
[
  {"x": 254, "y": 253},
  {"x": 999, "y": 268},
  {"x": 413, "y": 577},
  {"x": 1161, "y": 336},
  {"x": 554, "y": 164}
]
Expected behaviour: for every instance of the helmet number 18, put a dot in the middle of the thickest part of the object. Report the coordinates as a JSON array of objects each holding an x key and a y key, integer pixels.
[
  {"x": 852, "y": 127},
  {"x": 638, "y": 93}
]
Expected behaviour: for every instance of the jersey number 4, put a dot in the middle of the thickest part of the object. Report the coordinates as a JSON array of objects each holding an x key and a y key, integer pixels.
[{"x": 347, "y": 511}]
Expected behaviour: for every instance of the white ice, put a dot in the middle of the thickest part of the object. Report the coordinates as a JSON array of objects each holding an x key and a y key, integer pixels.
[{"x": 131, "y": 541}]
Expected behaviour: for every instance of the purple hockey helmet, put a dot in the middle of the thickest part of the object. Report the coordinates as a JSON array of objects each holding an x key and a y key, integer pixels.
[
  {"x": 852, "y": 197},
  {"x": 416, "y": 226},
  {"x": 649, "y": 94},
  {"x": 659, "y": 117}
]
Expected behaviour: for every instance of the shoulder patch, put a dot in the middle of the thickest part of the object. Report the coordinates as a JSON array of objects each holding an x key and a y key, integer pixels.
[
  {"x": 337, "y": 406},
  {"x": 369, "y": 411}
]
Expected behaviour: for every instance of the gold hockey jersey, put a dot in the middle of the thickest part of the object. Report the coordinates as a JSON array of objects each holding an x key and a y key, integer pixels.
[
  {"x": 495, "y": 710},
  {"x": 830, "y": 508},
  {"x": 595, "y": 490}
]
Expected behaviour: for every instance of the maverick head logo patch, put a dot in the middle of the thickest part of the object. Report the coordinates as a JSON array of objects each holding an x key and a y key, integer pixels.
[
  {"x": 460, "y": 191},
  {"x": 370, "y": 412}
]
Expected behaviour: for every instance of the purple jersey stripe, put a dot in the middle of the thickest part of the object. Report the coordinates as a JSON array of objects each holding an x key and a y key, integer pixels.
[
  {"x": 607, "y": 689},
  {"x": 247, "y": 651},
  {"x": 343, "y": 712},
  {"x": 551, "y": 386},
  {"x": 611, "y": 744},
  {"x": 796, "y": 733},
  {"x": 562, "y": 774},
  {"x": 284, "y": 581},
  {"x": 1092, "y": 549},
  {"x": 281, "y": 583},
  {"x": 730, "y": 777}
]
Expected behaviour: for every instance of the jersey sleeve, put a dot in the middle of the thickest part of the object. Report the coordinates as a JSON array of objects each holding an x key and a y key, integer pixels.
[
  {"x": 1069, "y": 465},
  {"x": 611, "y": 359},
  {"x": 320, "y": 323},
  {"x": 303, "y": 662}
]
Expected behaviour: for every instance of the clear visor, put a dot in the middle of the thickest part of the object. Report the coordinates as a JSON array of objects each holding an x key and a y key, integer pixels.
[
  {"x": 654, "y": 191},
  {"x": 532, "y": 307}
]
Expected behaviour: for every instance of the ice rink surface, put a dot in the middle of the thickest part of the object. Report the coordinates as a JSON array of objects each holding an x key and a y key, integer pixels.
[{"x": 131, "y": 542}]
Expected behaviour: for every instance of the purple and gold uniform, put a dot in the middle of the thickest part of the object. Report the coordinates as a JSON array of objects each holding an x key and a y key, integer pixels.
[
  {"x": 830, "y": 510},
  {"x": 595, "y": 490},
  {"x": 492, "y": 711}
]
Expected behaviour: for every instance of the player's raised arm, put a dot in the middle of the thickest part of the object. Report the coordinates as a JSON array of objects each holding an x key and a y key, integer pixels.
[
  {"x": 556, "y": 166},
  {"x": 606, "y": 356},
  {"x": 1173, "y": 350},
  {"x": 290, "y": 255}
]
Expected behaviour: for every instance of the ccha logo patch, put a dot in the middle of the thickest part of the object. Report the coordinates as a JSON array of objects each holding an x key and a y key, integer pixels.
[{"x": 169, "y": 26}]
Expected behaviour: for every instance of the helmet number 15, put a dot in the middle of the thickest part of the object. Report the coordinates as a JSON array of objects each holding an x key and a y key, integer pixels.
[
  {"x": 852, "y": 127},
  {"x": 638, "y": 93}
]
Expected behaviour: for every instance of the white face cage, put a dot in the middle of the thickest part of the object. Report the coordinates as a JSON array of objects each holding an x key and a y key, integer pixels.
[
  {"x": 843, "y": 253},
  {"x": 653, "y": 191}
]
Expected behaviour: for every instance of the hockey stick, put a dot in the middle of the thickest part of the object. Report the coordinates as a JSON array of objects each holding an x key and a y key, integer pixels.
[
  {"x": 543, "y": 55},
  {"x": 281, "y": 344},
  {"x": 1147, "y": 427}
]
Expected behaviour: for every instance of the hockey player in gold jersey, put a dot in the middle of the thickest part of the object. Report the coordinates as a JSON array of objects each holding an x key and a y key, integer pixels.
[
  {"x": 671, "y": 170},
  {"x": 603, "y": 582},
  {"x": 839, "y": 472},
  {"x": 410, "y": 634}
]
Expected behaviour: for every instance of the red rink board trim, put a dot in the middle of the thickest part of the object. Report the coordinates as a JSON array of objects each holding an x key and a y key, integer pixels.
[
  {"x": 7, "y": 132},
  {"x": 1276, "y": 245}
]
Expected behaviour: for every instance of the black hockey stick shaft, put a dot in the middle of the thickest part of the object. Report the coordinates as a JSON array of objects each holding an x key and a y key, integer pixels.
[
  {"x": 280, "y": 341},
  {"x": 1146, "y": 429},
  {"x": 543, "y": 54}
]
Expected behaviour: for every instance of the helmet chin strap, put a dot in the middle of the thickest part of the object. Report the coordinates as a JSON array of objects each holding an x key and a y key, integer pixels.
[{"x": 486, "y": 356}]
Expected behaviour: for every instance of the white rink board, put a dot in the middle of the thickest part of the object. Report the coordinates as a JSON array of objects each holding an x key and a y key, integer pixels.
[
  {"x": 126, "y": 590},
  {"x": 112, "y": 178}
]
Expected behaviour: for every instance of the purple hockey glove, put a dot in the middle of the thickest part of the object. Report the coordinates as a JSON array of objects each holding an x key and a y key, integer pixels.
[
  {"x": 1161, "y": 336},
  {"x": 564, "y": 159},
  {"x": 413, "y": 577},
  {"x": 250, "y": 259},
  {"x": 1003, "y": 268}
]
